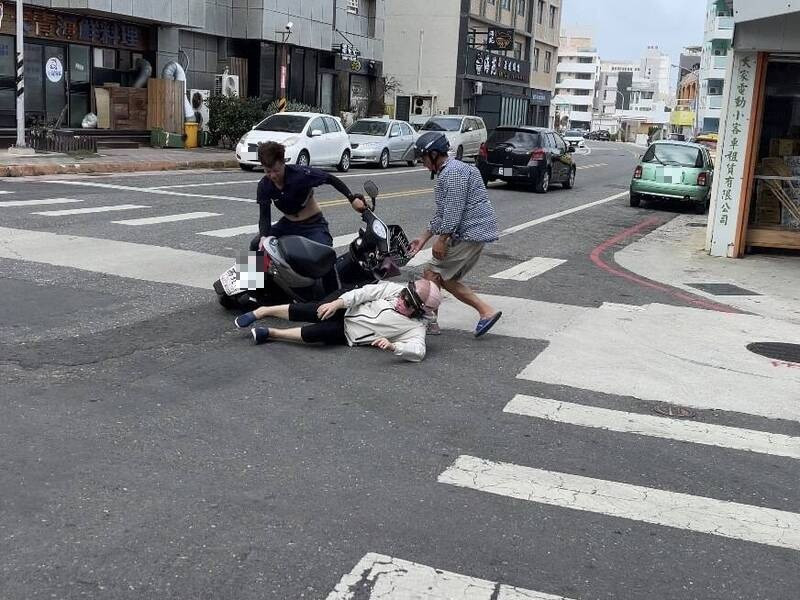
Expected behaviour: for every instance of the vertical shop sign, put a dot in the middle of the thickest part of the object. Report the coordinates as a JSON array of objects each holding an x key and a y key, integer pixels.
[{"x": 732, "y": 152}]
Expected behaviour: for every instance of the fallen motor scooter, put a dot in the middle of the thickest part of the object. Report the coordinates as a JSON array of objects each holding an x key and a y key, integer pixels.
[{"x": 292, "y": 268}]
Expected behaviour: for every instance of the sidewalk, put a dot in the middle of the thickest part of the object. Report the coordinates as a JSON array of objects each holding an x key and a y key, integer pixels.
[
  {"x": 116, "y": 161},
  {"x": 674, "y": 255}
]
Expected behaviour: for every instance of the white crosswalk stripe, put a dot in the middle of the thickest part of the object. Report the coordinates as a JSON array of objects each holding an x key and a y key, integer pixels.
[
  {"x": 4, "y": 192},
  {"x": 671, "y": 509},
  {"x": 42, "y": 202},
  {"x": 707, "y": 434},
  {"x": 231, "y": 231},
  {"x": 85, "y": 211},
  {"x": 592, "y": 166},
  {"x": 167, "y": 218},
  {"x": 529, "y": 269},
  {"x": 391, "y": 578}
]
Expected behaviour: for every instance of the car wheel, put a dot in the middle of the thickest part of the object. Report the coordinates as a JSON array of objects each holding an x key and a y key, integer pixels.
[
  {"x": 636, "y": 200},
  {"x": 460, "y": 153},
  {"x": 244, "y": 167},
  {"x": 303, "y": 159},
  {"x": 570, "y": 182},
  {"x": 543, "y": 184},
  {"x": 383, "y": 163},
  {"x": 344, "y": 163}
]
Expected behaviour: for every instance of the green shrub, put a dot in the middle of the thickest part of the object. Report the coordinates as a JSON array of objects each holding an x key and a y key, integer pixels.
[
  {"x": 271, "y": 107},
  {"x": 230, "y": 117}
]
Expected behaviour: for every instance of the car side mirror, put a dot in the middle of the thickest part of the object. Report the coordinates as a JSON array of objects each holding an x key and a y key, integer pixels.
[
  {"x": 316, "y": 133},
  {"x": 570, "y": 149}
]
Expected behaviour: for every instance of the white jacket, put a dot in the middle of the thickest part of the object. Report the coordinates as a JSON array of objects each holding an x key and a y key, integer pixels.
[{"x": 371, "y": 315}]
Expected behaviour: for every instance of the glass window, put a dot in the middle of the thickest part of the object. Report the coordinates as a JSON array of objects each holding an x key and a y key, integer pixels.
[
  {"x": 561, "y": 145},
  {"x": 395, "y": 130},
  {"x": 674, "y": 154},
  {"x": 283, "y": 123},
  {"x": 369, "y": 127},
  {"x": 407, "y": 129},
  {"x": 316, "y": 124},
  {"x": 442, "y": 124},
  {"x": 506, "y": 4},
  {"x": 7, "y": 50},
  {"x": 521, "y": 7},
  {"x": 518, "y": 50},
  {"x": 352, "y": 6},
  {"x": 332, "y": 125},
  {"x": 105, "y": 58},
  {"x": 515, "y": 138},
  {"x": 535, "y": 59},
  {"x": 79, "y": 64},
  {"x": 34, "y": 78},
  {"x": 548, "y": 60},
  {"x": 553, "y": 15},
  {"x": 540, "y": 12}
]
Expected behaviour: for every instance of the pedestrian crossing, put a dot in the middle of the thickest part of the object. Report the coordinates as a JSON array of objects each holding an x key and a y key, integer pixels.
[
  {"x": 167, "y": 219},
  {"x": 85, "y": 211},
  {"x": 42, "y": 202}
]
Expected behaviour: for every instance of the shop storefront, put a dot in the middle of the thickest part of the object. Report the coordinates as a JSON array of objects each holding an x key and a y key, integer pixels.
[
  {"x": 539, "y": 110},
  {"x": 495, "y": 88},
  {"x": 756, "y": 192},
  {"x": 66, "y": 55}
]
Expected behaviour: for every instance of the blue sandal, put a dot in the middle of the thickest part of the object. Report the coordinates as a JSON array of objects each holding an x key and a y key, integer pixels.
[
  {"x": 484, "y": 325},
  {"x": 244, "y": 321},
  {"x": 260, "y": 335}
]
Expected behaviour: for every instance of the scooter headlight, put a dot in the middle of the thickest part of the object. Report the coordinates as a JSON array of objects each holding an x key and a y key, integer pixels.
[{"x": 380, "y": 230}]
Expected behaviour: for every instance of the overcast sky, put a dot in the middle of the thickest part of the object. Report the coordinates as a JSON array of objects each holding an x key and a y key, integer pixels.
[{"x": 622, "y": 29}]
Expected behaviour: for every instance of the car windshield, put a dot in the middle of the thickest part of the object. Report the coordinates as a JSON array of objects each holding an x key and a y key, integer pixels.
[
  {"x": 574, "y": 133},
  {"x": 283, "y": 123},
  {"x": 442, "y": 125},
  {"x": 673, "y": 154},
  {"x": 377, "y": 128},
  {"x": 515, "y": 138}
]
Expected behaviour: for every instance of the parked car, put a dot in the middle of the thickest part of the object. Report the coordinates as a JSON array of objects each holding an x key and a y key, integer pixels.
[
  {"x": 603, "y": 135},
  {"x": 465, "y": 133},
  {"x": 382, "y": 141},
  {"x": 532, "y": 155},
  {"x": 678, "y": 170},
  {"x": 575, "y": 138},
  {"x": 676, "y": 137},
  {"x": 309, "y": 138},
  {"x": 709, "y": 140}
]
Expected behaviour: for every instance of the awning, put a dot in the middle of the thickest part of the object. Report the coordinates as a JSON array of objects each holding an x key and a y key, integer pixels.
[{"x": 748, "y": 10}]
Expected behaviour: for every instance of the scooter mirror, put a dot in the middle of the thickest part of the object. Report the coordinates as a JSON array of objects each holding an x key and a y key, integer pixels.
[{"x": 371, "y": 189}]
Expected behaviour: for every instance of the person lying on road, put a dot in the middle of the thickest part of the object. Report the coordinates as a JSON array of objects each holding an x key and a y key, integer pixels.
[{"x": 386, "y": 315}]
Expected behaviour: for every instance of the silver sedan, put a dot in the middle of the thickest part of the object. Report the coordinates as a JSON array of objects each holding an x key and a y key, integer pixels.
[{"x": 382, "y": 142}]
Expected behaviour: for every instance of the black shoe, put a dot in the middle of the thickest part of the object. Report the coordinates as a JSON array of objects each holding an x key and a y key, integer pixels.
[{"x": 260, "y": 335}]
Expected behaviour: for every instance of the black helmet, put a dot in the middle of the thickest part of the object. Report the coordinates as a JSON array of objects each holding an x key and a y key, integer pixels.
[{"x": 431, "y": 141}]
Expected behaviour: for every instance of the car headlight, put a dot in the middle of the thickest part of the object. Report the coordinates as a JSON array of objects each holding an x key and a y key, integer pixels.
[
  {"x": 291, "y": 141},
  {"x": 242, "y": 140}
]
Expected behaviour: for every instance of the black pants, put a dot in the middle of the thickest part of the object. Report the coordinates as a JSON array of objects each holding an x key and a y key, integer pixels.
[{"x": 330, "y": 332}]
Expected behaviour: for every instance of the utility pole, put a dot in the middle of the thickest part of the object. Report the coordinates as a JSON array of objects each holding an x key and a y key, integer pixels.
[
  {"x": 21, "y": 147},
  {"x": 284, "y": 60}
]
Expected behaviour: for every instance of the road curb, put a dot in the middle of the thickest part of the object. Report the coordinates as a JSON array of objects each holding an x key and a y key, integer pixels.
[{"x": 28, "y": 170}]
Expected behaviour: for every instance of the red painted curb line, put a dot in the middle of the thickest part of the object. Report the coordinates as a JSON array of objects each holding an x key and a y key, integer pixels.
[{"x": 597, "y": 258}]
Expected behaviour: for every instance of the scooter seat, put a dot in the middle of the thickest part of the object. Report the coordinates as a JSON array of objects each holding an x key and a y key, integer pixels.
[{"x": 306, "y": 257}]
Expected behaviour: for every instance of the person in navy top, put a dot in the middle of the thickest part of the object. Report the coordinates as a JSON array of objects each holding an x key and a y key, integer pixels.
[{"x": 291, "y": 189}]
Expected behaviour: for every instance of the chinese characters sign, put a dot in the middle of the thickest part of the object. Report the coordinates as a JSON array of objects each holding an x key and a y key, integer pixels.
[
  {"x": 732, "y": 152},
  {"x": 487, "y": 64},
  {"x": 499, "y": 39},
  {"x": 64, "y": 27}
]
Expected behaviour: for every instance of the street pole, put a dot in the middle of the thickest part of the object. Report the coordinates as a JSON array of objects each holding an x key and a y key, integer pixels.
[
  {"x": 21, "y": 146},
  {"x": 284, "y": 65}
]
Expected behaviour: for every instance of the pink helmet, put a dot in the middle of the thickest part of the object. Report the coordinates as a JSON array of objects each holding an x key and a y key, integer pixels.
[{"x": 429, "y": 293}]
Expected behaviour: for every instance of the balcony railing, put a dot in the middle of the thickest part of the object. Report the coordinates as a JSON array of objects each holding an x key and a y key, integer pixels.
[{"x": 714, "y": 102}]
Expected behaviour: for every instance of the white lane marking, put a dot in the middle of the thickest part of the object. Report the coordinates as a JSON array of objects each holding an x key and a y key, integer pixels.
[
  {"x": 231, "y": 231},
  {"x": 43, "y": 202},
  {"x": 243, "y": 181},
  {"x": 661, "y": 427},
  {"x": 86, "y": 211},
  {"x": 592, "y": 166},
  {"x": 167, "y": 218},
  {"x": 140, "y": 190},
  {"x": 125, "y": 259},
  {"x": 529, "y": 269},
  {"x": 670, "y": 509},
  {"x": 391, "y": 578},
  {"x": 344, "y": 240},
  {"x": 3, "y": 192},
  {"x": 558, "y": 215}
]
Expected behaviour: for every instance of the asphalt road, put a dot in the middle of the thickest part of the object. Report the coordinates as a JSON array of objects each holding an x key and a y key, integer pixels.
[{"x": 147, "y": 450}]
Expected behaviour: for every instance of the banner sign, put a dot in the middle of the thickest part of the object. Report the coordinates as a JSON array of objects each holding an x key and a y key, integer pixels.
[
  {"x": 500, "y": 39},
  {"x": 494, "y": 66}
]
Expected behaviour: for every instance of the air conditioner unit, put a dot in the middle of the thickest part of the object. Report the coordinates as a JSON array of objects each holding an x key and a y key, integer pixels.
[
  {"x": 200, "y": 97},
  {"x": 226, "y": 85},
  {"x": 422, "y": 106}
]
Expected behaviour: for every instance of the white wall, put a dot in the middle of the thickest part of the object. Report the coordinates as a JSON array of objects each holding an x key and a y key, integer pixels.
[{"x": 439, "y": 21}]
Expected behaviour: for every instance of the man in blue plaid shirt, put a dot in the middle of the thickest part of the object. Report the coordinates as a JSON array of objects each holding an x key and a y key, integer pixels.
[{"x": 463, "y": 224}]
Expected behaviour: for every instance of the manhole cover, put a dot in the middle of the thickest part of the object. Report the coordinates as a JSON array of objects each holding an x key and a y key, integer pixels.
[
  {"x": 677, "y": 412},
  {"x": 776, "y": 351},
  {"x": 722, "y": 289}
]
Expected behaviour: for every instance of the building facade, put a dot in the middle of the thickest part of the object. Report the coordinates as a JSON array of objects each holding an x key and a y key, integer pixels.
[
  {"x": 546, "y": 32},
  {"x": 717, "y": 37},
  {"x": 576, "y": 79},
  {"x": 755, "y": 198},
  {"x": 73, "y": 46},
  {"x": 655, "y": 68},
  {"x": 437, "y": 55},
  {"x": 612, "y": 94}
]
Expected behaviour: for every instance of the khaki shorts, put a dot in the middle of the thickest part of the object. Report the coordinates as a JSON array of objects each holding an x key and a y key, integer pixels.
[{"x": 461, "y": 257}]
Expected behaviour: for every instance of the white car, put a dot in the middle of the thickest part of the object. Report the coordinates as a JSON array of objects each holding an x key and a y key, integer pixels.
[
  {"x": 309, "y": 138},
  {"x": 574, "y": 137},
  {"x": 465, "y": 133},
  {"x": 382, "y": 141}
]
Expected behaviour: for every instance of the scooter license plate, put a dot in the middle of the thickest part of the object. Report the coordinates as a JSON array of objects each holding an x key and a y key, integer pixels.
[{"x": 230, "y": 281}]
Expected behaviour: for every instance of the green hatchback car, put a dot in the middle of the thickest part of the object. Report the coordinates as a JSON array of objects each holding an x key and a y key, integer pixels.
[{"x": 677, "y": 170}]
